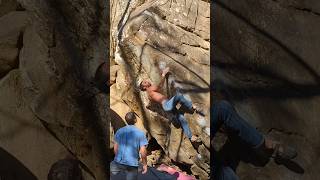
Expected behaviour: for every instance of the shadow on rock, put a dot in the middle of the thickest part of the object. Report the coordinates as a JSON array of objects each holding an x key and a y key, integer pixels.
[
  {"x": 12, "y": 169},
  {"x": 292, "y": 165}
]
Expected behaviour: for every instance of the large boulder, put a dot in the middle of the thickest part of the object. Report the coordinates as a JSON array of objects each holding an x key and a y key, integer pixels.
[
  {"x": 22, "y": 134},
  {"x": 10, "y": 39},
  {"x": 146, "y": 36},
  {"x": 56, "y": 49}
]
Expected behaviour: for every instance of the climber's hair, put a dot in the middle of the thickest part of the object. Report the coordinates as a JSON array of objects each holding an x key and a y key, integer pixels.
[
  {"x": 141, "y": 86},
  {"x": 130, "y": 118}
]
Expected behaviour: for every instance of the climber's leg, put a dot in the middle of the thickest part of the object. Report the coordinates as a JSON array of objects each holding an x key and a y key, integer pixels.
[
  {"x": 184, "y": 124},
  {"x": 172, "y": 102},
  {"x": 223, "y": 113}
]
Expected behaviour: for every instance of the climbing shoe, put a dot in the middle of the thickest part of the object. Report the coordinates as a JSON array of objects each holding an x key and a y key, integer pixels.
[
  {"x": 195, "y": 139},
  {"x": 283, "y": 152},
  {"x": 198, "y": 110},
  {"x": 280, "y": 150}
]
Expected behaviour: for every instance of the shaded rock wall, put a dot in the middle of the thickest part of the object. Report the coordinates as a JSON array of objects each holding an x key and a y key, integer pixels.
[
  {"x": 22, "y": 134},
  {"x": 50, "y": 51},
  {"x": 266, "y": 60}
]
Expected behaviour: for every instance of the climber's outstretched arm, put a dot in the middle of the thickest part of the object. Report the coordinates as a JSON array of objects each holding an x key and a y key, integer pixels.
[
  {"x": 160, "y": 85},
  {"x": 163, "y": 78}
]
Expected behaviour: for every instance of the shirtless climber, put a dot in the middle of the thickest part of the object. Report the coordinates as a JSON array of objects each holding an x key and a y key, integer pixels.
[
  {"x": 169, "y": 105},
  {"x": 223, "y": 114}
]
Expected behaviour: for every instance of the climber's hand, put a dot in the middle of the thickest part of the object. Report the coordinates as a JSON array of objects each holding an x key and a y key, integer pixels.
[
  {"x": 145, "y": 169},
  {"x": 165, "y": 71}
]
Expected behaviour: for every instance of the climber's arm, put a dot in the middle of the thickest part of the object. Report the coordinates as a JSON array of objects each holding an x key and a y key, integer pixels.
[
  {"x": 143, "y": 155},
  {"x": 143, "y": 152},
  {"x": 116, "y": 141},
  {"x": 160, "y": 85},
  {"x": 163, "y": 77},
  {"x": 115, "y": 148}
]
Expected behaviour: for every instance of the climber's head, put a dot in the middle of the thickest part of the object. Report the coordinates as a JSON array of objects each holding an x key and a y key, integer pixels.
[
  {"x": 131, "y": 118},
  {"x": 144, "y": 85}
]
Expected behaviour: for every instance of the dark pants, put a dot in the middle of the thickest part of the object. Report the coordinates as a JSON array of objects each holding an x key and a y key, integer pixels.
[
  {"x": 130, "y": 171},
  {"x": 170, "y": 105},
  {"x": 223, "y": 113}
]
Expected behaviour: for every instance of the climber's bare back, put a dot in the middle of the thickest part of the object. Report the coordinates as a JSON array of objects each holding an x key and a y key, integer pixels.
[{"x": 154, "y": 95}]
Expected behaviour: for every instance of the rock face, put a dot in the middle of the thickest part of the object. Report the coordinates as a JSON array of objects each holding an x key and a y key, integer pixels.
[
  {"x": 266, "y": 60},
  {"x": 50, "y": 106},
  {"x": 147, "y": 36},
  {"x": 10, "y": 39},
  {"x": 22, "y": 134}
]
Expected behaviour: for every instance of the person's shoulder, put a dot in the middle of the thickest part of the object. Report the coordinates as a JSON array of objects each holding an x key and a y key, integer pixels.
[
  {"x": 121, "y": 130},
  {"x": 137, "y": 130}
]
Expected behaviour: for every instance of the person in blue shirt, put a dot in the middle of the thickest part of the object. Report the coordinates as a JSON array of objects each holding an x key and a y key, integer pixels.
[{"x": 129, "y": 146}]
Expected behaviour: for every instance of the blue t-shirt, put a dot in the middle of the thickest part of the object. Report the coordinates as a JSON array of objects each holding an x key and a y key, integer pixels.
[{"x": 129, "y": 140}]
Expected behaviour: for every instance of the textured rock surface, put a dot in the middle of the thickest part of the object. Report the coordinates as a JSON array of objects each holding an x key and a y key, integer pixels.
[
  {"x": 53, "y": 49},
  {"x": 147, "y": 35},
  {"x": 10, "y": 39},
  {"x": 21, "y": 132},
  {"x": 266, "y": 60}
]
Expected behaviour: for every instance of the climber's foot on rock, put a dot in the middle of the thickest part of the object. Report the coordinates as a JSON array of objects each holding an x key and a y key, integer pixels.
[
  {"x": 280, "y": 150},
  {"x": 195, "y": 139},
  {"x": 284, "y": 152},
  {"x": 198, "y": 110}
]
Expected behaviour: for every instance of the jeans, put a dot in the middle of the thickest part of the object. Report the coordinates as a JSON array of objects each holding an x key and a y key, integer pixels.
[
  {"x": 130, "y": 171},
  {"x": 223, "y": 113},
  {"x": 170, "y": 105}
]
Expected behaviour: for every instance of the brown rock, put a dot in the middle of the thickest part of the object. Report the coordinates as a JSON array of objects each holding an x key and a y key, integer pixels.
[
  {"x": 7, "y": 6},
  {"x": 197, "y": 171},
  {"x": 113, "y": 73},
  {"x": 8, "y": 60},
  {"x": 10, "y": 32},
  {"x": 22, "y": 134},
  {"x": 63, "y": 44}
]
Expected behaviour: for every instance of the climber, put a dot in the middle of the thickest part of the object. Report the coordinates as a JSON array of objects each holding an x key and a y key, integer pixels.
[
  {"x": 129, "y": 142},
  {"x": 223, "y": 114},
  {"x": 169, "y": 105}
]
